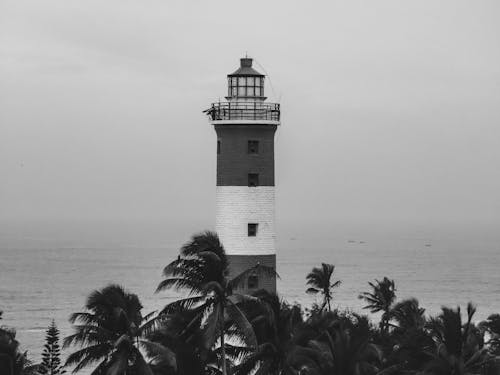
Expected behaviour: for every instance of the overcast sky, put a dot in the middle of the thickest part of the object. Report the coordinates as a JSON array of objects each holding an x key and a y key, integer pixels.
[{"x": 390, "y": 109}]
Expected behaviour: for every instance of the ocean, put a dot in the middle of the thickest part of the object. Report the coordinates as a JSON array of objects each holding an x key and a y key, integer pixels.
[{"x": 47, "y": 270}]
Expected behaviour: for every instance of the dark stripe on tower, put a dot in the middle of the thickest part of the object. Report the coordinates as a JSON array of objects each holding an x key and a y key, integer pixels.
[
  {"x": 240, "y": 263},
  {"x": 234, "y": 163}
]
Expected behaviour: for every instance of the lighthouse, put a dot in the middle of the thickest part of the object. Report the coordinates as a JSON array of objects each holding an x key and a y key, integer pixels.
[{"x": 245, "y": 210}]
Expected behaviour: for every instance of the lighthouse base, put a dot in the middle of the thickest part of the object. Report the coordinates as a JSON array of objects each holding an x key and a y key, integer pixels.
[{"x": 240, "y": 263}]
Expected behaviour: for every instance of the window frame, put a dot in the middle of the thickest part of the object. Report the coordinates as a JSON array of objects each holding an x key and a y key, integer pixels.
[
  {"x": 255, "y": 284},
  {"x": 253, "y": 179},
  {"x": 252, "y": 229},
  {"x": 256, "y": 144},
  {"x": 240, "y": 86}
]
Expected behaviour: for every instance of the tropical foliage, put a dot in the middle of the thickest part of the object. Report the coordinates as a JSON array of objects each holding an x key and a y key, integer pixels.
[
  {"x": 51, "y": 355},
  {"x": 110, "y": 334},
  {"x": 12, "y": 360},
  {"x": 276, "y": 325},
  {"x": 215, "y": 328},
  {"x": 381, "y": 299},
  {"x": 202, "y": 270},
  {"x": 319, "y": 281}
]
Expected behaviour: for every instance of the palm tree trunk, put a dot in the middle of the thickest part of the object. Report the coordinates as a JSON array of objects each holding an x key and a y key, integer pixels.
[
  {"x": 223, "y": 345},
  {"x": 224, "y": 370}
]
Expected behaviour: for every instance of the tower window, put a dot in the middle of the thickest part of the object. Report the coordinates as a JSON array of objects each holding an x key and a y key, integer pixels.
[
  {"x": 253, "y": 147},
  {"x": 253, "y": 282},
  {"x": 218, "y": 147},
  {"x": 253, "y": 179},
  {"x": 252, "y": 229}
]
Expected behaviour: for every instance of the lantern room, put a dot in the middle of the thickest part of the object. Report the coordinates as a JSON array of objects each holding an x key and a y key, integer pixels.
[
  {"x": 245, "y": 101},
  {"x": 245, "y": 83}
]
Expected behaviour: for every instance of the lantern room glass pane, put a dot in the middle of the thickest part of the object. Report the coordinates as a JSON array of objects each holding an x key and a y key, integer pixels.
[
  {"x": 241, "y": 81},
  {"x": 250, "y": 81},
  {"x": 234, "y": 80},
  {"x": 241, "y": 91},
  {"x": 235, "y": 91},
  {"x": 250, "y": 91},
  {"x": 257, "y": 91}
]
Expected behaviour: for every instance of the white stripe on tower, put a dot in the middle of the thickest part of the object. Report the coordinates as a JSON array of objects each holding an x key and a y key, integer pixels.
[{"x": 236, "y": 207}]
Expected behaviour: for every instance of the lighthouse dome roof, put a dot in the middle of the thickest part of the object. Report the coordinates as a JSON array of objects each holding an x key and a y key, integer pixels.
[{"x": 246, "y": 69}]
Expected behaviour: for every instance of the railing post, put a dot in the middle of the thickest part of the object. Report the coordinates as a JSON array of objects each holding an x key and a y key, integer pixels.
[{"x": 229, "y": 115}]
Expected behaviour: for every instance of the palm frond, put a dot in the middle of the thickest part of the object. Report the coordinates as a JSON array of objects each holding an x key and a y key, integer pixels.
[
  {"x": 88, "y": 335},
  {"x": 86, "y": 318},
  {"x": 178, "y": 283},
  {"x": 251, "y": 362},
  {"x": 312, "y": 290},
  {"x": 101, "y": 369},
  {"x": 240, "y": 321},
  {"x": 87, "y": 356},
  {"x": 140, "y": 367},
  {"x": 336, "y": 284},
  {"x": 118, "y": 364},
  {"x": 215, "y": 287},
  {"x": 212, "y": 326},
  {"x": 182, "y": 305},
  {"x": 159, "y": 353}
]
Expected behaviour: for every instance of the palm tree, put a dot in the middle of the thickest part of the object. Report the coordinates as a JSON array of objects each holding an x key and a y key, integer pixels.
[
  {"x": 459, "y": 347},
  {"x": 408, "y": 314},
  {"x": 277, "y": 326},
  {"x": 343, "y": 346},
  {"x": 12, "y": 360},
  {"x": 110, "y": 333},
  {"x": 185, "y": 341},
  {"x": 409, "y": 341},
  {"x": 381, "y": 298},
  {"x": 319, "y": 280},
  {"x": 202, "y": 270},
  {"x": 492, "y": 326}
]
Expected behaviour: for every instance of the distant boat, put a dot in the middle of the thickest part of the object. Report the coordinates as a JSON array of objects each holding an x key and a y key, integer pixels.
[
  {"x": 361, "y": 241},
  {"x": 428, "y": 245},
  {"x": 351, "y": 241}
]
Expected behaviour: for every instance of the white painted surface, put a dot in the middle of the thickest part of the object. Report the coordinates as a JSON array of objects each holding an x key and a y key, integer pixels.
[{"x": 236, "y": 206}]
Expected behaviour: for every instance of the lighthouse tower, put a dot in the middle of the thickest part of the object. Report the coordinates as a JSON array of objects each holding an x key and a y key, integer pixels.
[{"x": 245, "y": 125}]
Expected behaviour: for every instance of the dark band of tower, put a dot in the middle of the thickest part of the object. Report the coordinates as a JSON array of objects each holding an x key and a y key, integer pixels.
[{"x": 245, "y": 127}]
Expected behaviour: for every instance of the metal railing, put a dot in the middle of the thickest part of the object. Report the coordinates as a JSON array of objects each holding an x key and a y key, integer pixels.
[{"x": 244, "y": 111}]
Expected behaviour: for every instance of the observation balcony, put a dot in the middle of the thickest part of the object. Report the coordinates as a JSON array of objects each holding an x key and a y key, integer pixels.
[{"x": 247, "y": 112}]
